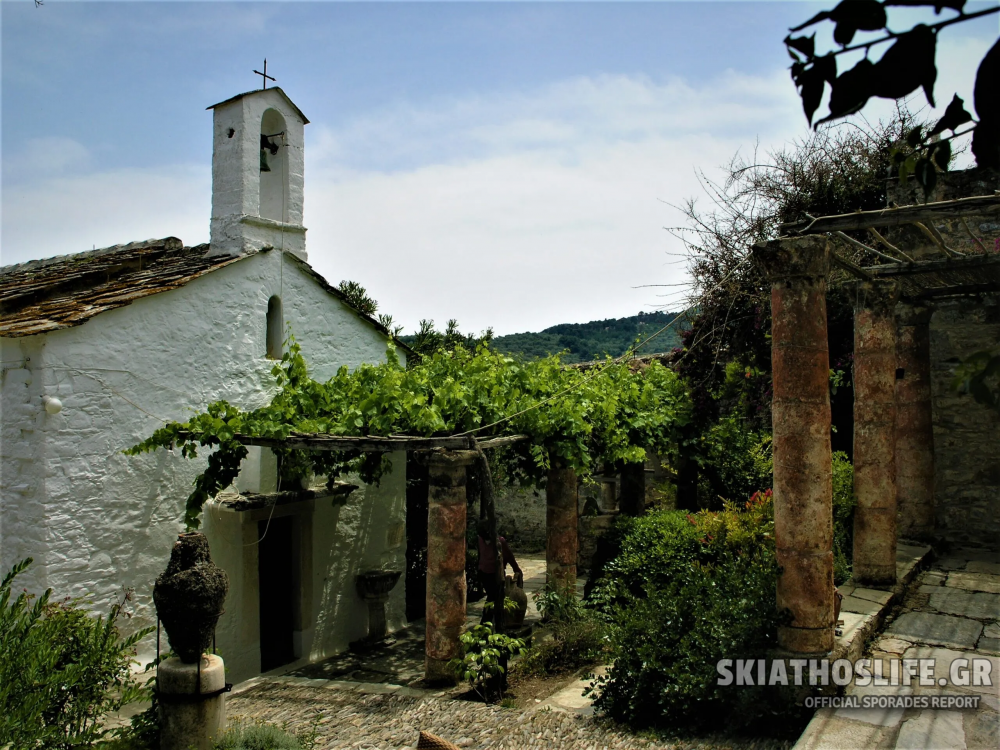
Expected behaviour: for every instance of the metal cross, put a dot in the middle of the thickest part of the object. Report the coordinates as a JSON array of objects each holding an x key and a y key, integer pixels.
[{"x": 264, "y": 76}]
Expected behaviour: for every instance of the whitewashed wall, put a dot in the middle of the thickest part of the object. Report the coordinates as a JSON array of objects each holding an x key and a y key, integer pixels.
[
  {"x": 96, "y": 520},
  {"x": 338, "y": 542}
]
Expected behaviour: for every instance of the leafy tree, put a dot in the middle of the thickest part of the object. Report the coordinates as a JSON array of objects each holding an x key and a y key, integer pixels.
[
  {"x": 357, "y": 296},
  {"x": 429, "y": 340},
  {"x": 908, "y": 64}
]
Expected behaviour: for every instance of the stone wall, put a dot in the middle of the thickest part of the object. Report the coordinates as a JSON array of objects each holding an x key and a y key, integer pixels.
[{"x": 966, "y": 434}]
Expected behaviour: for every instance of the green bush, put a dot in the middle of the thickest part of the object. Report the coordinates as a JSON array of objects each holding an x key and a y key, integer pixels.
[
  {"x": 735, "y": 462},
  {"x": 684, "y": 592},
  {"x": 61, "y": 669}
]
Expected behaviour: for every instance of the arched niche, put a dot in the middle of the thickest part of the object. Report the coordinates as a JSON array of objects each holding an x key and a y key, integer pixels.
[
  {"x": 273, "y": 167},
  {"x": 275, "y": 328}
]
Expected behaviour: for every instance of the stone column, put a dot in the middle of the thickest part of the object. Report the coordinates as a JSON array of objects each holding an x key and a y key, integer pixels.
[
  {"x": 561, "y": 521},
  {"x": 445, "y": 560},
  {"x": 914, "y": 427},
  {"x": 874, "y": 432},
  {"x": 803, "y": 490},
  {"x": 192, "y": 705}
]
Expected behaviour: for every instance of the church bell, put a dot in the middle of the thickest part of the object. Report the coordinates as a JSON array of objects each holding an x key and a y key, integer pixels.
[{"x": 265, "y": 146}]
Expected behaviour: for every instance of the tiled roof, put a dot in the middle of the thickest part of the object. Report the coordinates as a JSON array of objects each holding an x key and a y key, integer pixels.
[
  {"x": 46, "y": 295},
  {"x": 68, "y": 290}
]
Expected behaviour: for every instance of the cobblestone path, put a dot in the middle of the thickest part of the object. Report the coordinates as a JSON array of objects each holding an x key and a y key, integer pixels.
[{"x": 347, "y": 718}]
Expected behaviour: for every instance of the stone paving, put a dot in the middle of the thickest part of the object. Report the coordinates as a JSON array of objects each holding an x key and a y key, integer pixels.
[
  {"x": 950, "y": 612},
  {"x": 376, "y": 702},
  {"x": 379, "y": 717}
]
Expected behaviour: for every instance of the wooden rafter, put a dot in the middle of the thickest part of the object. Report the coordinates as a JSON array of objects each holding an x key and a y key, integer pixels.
[{"x": 890, "y": 217}]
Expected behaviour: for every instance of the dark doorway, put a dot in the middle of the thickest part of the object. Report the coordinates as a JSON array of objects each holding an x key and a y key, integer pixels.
[
  {"x": 416, "y": 537},
  {"x": 277, "y": 592}
]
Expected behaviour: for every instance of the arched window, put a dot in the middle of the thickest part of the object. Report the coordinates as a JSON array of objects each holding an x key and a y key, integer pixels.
[
  {"x": 273, "y": 167},
  {"x": 275, "y": 328}
]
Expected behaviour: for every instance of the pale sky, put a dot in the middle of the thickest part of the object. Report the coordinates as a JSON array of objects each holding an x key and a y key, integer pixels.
[{"x": 506, "y": 164}]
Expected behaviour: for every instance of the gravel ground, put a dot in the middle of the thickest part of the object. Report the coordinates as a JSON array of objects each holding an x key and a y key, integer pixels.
[{"x": 351, "y": 719}]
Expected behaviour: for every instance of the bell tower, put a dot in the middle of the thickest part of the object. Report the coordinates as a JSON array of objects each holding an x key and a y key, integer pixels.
[{"x": 257, "y": 174}]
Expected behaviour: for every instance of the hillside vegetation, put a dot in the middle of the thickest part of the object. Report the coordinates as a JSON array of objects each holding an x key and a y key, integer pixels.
[{"x": 587, "y": 341}]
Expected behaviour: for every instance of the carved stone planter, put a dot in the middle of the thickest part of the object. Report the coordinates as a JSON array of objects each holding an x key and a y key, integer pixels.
[{"x": 189, "y": 596}]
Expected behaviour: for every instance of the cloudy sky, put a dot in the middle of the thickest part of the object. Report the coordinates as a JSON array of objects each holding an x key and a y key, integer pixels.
[{"x": 506, "y": 164}]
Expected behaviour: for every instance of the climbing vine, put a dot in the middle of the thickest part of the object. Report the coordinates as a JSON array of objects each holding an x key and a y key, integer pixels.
[{"x": 606, "y": 414}]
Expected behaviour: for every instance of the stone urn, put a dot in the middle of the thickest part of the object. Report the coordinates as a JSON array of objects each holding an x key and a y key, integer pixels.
[
  {"x": 511, "y": 590},
  {"x": 374, "y": 586},
  {"x": 189, "y": 596}
]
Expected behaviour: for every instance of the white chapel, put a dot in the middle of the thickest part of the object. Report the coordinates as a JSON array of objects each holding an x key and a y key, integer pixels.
[{"x": 102, "y": 347}]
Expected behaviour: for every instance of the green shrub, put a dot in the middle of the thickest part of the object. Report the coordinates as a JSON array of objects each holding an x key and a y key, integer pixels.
[
  {"x": 61, "y": 669},
  {"x": 735, "y": 462},
  {"x": 483, "y": 663},
  {"x": 684, "y": 592},
  {"x": 258, "y": 735}
]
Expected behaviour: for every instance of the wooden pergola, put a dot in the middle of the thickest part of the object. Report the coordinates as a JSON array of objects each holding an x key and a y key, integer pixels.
[
  {"x": 893, "y": 437},
  {"x": 447, "y": 459}
]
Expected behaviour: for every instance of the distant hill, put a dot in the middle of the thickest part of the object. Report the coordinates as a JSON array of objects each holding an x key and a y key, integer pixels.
[{"x": 587, "y": 341}]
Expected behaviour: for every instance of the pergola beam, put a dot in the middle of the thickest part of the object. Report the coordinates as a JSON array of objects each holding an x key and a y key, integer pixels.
[
  {"x": 891, "y": 217},
  {"x": 372, "y": 443}
]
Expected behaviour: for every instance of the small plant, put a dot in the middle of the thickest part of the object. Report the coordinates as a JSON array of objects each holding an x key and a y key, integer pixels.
[
  {"x": 558, "y": 605},
  {"x": 62, "y": 670},
  {"x": 483, "y": 663}
]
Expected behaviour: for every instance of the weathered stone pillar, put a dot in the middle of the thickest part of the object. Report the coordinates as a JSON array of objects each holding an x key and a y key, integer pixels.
[
  {"x": 874, "y": 432},
  {"x": 445, "y": 560},
  {"x": 192, "y": 705},
  {"x": 561, "y": 521},
  {"x": 803, "y": 490},
  {"x": 914, "y": 426}
]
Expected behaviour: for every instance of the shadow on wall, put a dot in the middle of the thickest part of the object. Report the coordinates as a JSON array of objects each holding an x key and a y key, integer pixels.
[{"x": 366, "y": 533}]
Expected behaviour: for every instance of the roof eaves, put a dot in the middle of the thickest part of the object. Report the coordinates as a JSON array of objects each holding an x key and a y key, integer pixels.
[{"x": 293, "y": 105}]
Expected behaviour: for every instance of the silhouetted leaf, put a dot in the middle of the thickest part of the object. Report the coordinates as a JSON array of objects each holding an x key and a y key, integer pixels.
[
  {"x": 985, "y": 95},
  {"x": 852, "y": 15},
  {"x": 811, "y": 81},
  {"x": 804, "y": 44},
  {"x": 986, "y": 146},
  {"x": 986, "y": 136},
  {"x": 850, "y": 91},
  {"x": 938, "y": 4},
  {"x": 941, "y": 155},
  {"x": 954, "y": 116},
  {"x": 821, "y": 16},
  {"x": 914, "y": 137},
  {"x": 906, "y": 65}
]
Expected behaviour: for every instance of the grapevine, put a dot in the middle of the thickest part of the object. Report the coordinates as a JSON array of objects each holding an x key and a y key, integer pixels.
[{"x": 566, "y": 413}]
